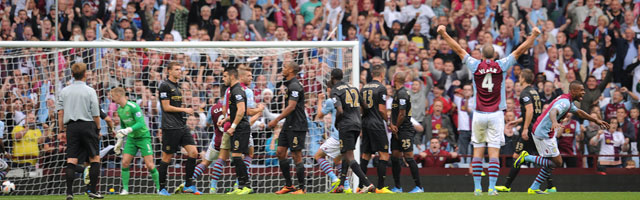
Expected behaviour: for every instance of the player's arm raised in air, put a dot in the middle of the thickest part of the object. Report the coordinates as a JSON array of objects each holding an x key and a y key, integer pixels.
[
  {"x": 442, "y": 30},
  {"x": 527, "y": 44}
]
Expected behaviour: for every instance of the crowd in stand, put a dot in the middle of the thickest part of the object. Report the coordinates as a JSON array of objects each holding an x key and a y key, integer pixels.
[{"x": 592, "y": 41}]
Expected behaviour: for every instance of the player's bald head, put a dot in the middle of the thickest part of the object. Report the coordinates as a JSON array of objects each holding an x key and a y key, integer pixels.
[{"x": 487, "y": 51}]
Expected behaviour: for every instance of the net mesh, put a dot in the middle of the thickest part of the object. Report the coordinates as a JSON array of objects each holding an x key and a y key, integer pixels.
[{"x": 30, "y": 81}]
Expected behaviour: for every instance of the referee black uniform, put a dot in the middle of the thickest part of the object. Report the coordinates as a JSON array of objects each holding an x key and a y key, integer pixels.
[{"x": 78, "y": 109}]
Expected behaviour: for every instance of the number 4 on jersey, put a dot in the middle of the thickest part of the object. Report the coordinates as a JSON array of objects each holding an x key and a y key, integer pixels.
[{"x": 487, "y": 82}]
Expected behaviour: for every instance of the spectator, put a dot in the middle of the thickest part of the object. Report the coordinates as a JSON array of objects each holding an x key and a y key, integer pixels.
[
  {"x": 434, "y": 156},
  {"x": 617, "y": 101},
  {"x": 433, "y": 123},
  {"x": 448, "y": 77},
  {"x": 593, "y": 89},
  {"x": 591, "y": 130},
  {"x": 612, "y": 142},
  {"x": 27, "y": 138},
  {"x": 463, "y": 101},
  {"x": 418, "y": 94},
  {"x": 568, "y": 140}
]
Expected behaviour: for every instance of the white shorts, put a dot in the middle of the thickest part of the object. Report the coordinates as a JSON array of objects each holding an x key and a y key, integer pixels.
[
  {"x": 211, "y": 154},
  {"x": 331, "y": 147},
  {"x": 488, "y": 129},
  {"x": 547, "y": 147}
]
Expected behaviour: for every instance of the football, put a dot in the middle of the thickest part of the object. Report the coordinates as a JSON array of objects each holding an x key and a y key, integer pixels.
[{"x": 8, "y": 187}]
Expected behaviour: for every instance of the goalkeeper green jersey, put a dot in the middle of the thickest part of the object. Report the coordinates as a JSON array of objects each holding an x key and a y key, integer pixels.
[{"x": 131, "y": 116}]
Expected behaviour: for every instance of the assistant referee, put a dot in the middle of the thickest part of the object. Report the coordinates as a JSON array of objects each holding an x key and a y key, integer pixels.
[{"x": 78, "y": 109}]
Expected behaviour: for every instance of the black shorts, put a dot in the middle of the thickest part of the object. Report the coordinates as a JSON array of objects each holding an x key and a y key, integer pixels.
[
  {"x": 294, "y": 140},
  {"x": 374, "y": 141},
  {"x": 82, "y": 139},
  {"x": 240, "y": 141},
  {"x": 173, "y": 139},
  {"x": 348, "y": 140},
  {"x": 526, "y": 145},
  {"x": 404, "y": 141}
]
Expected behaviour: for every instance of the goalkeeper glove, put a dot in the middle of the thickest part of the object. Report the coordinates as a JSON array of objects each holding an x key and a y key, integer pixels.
[
  {"x": 118, "y": 147},
  {"x": 123, "y": 132}
]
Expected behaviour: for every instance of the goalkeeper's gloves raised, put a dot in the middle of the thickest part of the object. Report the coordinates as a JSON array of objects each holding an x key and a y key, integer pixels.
[{"x": 123, "y": 132}]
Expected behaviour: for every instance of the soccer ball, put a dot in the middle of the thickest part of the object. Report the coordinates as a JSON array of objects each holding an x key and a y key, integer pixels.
[{"x": 8, "y": 187}]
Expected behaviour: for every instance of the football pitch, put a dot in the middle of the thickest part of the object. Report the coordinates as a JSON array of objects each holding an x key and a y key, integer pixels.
[{"x": 439, "y": 196}]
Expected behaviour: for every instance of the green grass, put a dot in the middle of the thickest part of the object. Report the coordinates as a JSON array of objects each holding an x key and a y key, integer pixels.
[{"x": 439, "y": 196}]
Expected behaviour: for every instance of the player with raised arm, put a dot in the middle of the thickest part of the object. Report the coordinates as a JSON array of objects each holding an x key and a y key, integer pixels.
[
  {"x": 138, "y": 138},
  {"x": 346, "y": 100},
  {"x": 488, "y": 119},
  {"x": 403, "y": 133},
  {"x": 331, "y": 146},
  {"x": 531, "y": 107},
  {"x": 374, "y": 132},
  {"x": 294, "y": 130},
  {"x": 545, "y": 130},
  {"x": 239, "y": 131}
]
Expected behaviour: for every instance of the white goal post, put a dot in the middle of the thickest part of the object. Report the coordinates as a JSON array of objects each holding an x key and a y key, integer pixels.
[{"x": 37, "y": 60}]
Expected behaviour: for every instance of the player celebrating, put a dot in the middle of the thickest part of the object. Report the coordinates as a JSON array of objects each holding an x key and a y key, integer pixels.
[
  {"x": 174, "y": 130},
  {"x": 331, "y": 146},
  {"x": 488, "y": 119},
  {"x": 531, "y": 107},
  {"x": 346, "y": 100},
  {"x": 544, "y": 131},
  {"x": 374, "y": 133},
  {"x": 240, "y": 129},
  {"x": 403, "y": 132},
  {"x": 294, "y": 130},
  {"x": 138, "y": 138}
]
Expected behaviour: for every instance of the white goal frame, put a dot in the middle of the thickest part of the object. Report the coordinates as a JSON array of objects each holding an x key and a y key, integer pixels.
[{"x": 353, "y": 45}]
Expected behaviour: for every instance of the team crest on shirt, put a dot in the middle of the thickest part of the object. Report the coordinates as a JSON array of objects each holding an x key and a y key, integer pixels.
[
  {"x": 525, "y": 99},
  {"x": 238, "y": 97},
  {"x": 294, "y": 93}
]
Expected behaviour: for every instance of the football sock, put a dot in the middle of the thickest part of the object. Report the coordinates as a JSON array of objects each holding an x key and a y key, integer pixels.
[
  {"x": 301, "y": 175},
  {"x": 396, "y": 167},
  {"x": 549, "y": 182},
  {"x": 382, "y": 173},
  {"x": 544, "y": 174},
  {"x": 326, "y": 168},
  {"x": 343, "y": 170},
  {"x": 188, "y": 171},
  {"x": 241, "y": 171},
  {"x": 125, "y": 178},
  {"x": 70, "y": 174},
  {"x": 247, "y": 163},
  {"x": 539, "y": 160},
  {"x": 513, "y": 173},
  {"x": 94, "y": 173},
  {"x": 162, "y": 170},
  {"x": 476, "y": 165},
  {"x": 494, "y": 171},
  {"x": 358, "y": 171},
  {"x": 198, "y": 171},
  {"x": 413, "y": 166},
  {"x": 217, "y": 170},
  {"x": 155, "y": 177},
  {"x": 363, "y": 166},
  {"x": 284, "y": 167}
]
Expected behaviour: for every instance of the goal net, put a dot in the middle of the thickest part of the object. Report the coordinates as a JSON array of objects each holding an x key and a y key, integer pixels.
[{"x": 32, "y": 74}]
